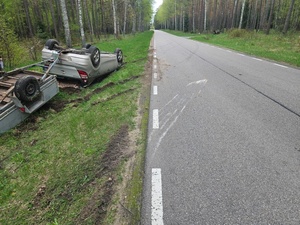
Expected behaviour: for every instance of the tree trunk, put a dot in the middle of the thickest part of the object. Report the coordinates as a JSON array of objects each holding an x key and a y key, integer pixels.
[
  {"x": 270, "y": 17},
  {"x": 205, "y": 16},
  {"x": 47, "y": 18},
  {"x": 125, "y": 17},
  {"x": 234, "y": 14},
  {"x": 54, "y": 21},
  {"x": 175, "y": 16},
  {"x": 66, "y": 23},
  {"x": 28, "y": 18},
  {"x": 264, "y": 17},
  {"x": 257, "y": 20},
  {"x": 88, "y": 19},
  {"x": 114, "y": 18},
  {"x": 193, "y": 16},
  {"x": 287, "y": 21},
  {"x": 81, "y": 23},
  {"x": 134, "y": 22},
  {"x": 242, "y": 14},
  {"x": 215, "y": 18}
]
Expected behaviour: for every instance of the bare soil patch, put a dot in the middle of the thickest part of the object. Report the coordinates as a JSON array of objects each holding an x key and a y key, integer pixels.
[{"x": 97, "y": 206}]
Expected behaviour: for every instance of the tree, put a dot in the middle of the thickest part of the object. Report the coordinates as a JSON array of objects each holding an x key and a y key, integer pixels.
[
  {"x": 287, "y": 21},
  {"x": 116, "y": 33},
  {"x": 81, "y": 23},
  {"x": 66, "y": 23},
  {"x": 242, "y": 14},
  {"x": 270, "y": 17},
  {"x": 10, "y": 49}
]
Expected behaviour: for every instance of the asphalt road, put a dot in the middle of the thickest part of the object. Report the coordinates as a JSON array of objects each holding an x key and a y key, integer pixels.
[{"x": 224, "y": 137}]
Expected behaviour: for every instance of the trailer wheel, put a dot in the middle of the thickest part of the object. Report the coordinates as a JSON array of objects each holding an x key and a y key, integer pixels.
[
  {"x": 95, "y": 55},
  {"x": 27, "y": 89},
  {"x": 119, "y": 54},
  {"x": 50, "y": 44}
]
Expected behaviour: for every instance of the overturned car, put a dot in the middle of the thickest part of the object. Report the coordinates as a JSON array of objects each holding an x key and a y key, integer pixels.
[{"x": 85, "y": 65}]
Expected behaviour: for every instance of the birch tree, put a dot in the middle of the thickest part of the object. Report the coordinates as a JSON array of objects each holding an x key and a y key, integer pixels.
[
  {"x": 125, "y": 16},
  {"x": 205, "y": 16},
  {"x": 66, "y": 23},
  {"x": 114, "y": 18},
  {"x": 242, "y": 14},
  {"x": 81, "y": 23}
]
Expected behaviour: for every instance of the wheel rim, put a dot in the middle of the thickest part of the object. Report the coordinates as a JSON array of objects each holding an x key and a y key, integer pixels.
[
  {"x": 30, "y": 89},
  {"x": 120, "y": 56},
  {"x": 97, "y": 57}
]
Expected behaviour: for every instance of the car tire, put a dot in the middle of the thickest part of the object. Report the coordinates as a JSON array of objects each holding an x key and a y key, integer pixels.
[
  {"x": 27, "y": 89},
  {"x": 87, "y": 46},
  {"x": 50, "y": 44},
  {"x": 95, "y": 55},
  {"x": 119, "y": 55}
]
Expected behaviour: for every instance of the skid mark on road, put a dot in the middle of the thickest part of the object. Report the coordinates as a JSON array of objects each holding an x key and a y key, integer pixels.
[{"x": 169, "y": 113}]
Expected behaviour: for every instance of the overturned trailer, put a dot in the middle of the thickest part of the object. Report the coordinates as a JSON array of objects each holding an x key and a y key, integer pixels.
[{"x": 23, "y": 91}]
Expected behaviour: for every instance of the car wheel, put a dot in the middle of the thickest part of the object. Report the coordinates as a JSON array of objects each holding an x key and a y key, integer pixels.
[
  {"x": 50, "y": 44},
  {"x": 95, "y": 55},
  {"x": 27, "y": 89},
  {"x": 119, "y": 54}
]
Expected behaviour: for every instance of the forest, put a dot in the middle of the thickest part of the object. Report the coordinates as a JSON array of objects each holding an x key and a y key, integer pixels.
[
  {"x": 25, "y": 25},
  {"x": 200, "y": 16}
]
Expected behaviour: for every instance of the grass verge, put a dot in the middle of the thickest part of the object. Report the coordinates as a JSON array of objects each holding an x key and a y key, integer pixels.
[
  {"x": 65, "y": 163},
  {"x": 275, "y": 46}
]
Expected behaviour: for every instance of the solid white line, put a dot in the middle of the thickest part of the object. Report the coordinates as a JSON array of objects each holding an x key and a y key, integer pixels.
[
  {"x": 280, "y": 65},
  {"x": 155, "y": 75},
  {"x": 155, "y": 119},
  {"x": 156, "y": 200},
  {"x": 155, "y": 90},
  {"x": 241, "y": 54}
]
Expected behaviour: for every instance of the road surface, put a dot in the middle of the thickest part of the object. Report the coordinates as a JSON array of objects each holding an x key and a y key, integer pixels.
[{"x": 223, "y": 138}]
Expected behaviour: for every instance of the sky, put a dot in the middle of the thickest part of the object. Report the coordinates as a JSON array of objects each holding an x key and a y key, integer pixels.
[{"x": 156, "y": 4}]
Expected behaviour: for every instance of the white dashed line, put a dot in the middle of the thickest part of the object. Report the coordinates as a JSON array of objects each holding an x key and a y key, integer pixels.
[
  {"x": 156, "y": 200},
  {"x": 155, "y": 75},
  {"x": 155, "y": 119},
  {"x": 154, "y": 90},
  {"x": 154, "y": 66},
  {"x": 280, "y": 65}
]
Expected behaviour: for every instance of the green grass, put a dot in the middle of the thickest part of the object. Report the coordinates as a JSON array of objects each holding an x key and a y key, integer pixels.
[
  {"x": 275, "y": 46},
  {"x": 50, "y": 169}
]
